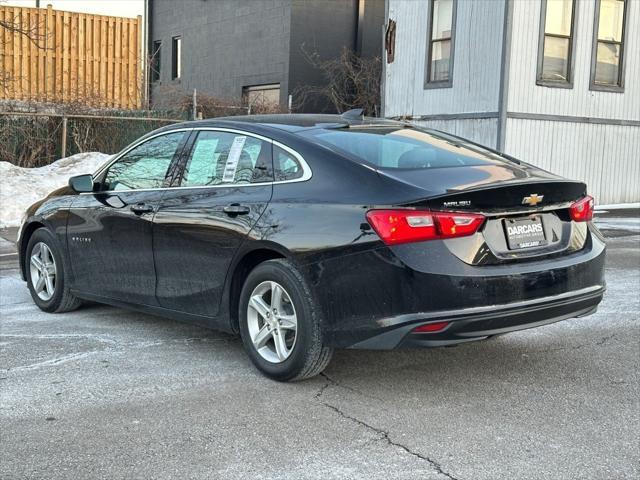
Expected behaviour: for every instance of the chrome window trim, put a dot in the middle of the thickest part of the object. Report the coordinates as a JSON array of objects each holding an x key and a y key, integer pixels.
[{"x": 306, "y": 170}]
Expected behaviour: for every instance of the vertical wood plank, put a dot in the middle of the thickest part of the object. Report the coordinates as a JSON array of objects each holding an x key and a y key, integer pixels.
[
  {"x": 110, "y": 32},
  {"x": 82, "y": 53},
  {"x": 96, "y": 57},
  {"x": 26, "y": 64},
  {"x": 4, "y": 54},
  {"x": 50, "y": 54},
  {"x": 124, "y": 70},
  {"x": 140, "y": 62},
  {"x": 88, "y": 87},
  {"x": 59, "y": 56},
  {"x": 66, "y": 70},
  {"x": 117, "y": 66},
  {"x": 104, "y": 25},
  {"x": 42, "y": 52},
  {"x": 73, "y": 55},
  {"x": 33, "y": 55},
  {"x": 17, "y": 59},
  {"x": 131, "y": 64},
  {"x": 7, "y": 58}
]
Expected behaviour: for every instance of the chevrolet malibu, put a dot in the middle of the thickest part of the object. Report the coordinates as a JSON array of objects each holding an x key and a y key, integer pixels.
[{"x": 307, "y": 233}]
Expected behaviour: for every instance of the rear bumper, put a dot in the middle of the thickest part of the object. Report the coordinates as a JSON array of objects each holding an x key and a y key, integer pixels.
[
  {"x": 481, "y": 322},
  {"x": 374, "y": 298}
]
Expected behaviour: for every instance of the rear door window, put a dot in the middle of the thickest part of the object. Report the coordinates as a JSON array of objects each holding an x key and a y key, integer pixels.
[{"x": 225, "y": 158}]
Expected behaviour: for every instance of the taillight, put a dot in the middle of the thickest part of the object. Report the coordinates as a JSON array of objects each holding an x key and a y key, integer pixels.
[
  {"x": 403, "y": 226},
  {"x": 582, "y": 210}
]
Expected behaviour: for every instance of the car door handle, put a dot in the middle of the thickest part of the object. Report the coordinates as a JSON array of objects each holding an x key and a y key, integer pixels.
[
  {"x": 236, "y": 209},
  {"x": 140, "y": 208}
]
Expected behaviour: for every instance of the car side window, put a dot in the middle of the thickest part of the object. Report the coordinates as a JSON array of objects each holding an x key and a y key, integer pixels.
[
  {"x": 286, "y": 166},
  {"x": 145, "y": 166},
  {"x": 220, "y": 158}
]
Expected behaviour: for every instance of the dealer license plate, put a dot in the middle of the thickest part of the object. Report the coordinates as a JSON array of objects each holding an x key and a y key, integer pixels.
[{"x": 524, "y": 232}]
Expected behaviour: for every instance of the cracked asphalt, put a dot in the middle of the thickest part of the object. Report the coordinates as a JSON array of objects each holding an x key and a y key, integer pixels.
[{"x": 107, "y": 393}]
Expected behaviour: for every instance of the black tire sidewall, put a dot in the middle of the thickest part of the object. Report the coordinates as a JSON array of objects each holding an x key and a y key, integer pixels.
[
  {"x": 44, "y": 236},
  {"x": 308, "y": 322}
]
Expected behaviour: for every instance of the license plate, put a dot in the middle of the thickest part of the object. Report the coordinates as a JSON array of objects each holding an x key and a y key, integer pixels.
[{"x": 524, "y": 232}]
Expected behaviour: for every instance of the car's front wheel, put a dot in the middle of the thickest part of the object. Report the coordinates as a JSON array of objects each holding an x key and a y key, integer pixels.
[
  {"x": 46, "y": 274},
  {"x": 280, "y": 324}
]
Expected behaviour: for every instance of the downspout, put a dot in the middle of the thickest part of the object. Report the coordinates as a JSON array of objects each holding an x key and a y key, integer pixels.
[
  {"x": 383, "y": 59},
  {"x": 504, "y": 76}
]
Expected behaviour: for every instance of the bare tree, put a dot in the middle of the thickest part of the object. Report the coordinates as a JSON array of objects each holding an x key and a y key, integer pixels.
[{"x": 351, "y": 82}]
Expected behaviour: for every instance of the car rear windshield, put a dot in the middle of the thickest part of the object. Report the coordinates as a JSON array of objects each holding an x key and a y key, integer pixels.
[{"x": 404, "y": 147}]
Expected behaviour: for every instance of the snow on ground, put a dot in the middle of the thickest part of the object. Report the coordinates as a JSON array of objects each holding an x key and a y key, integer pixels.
[{"x": 20, "y": 187}]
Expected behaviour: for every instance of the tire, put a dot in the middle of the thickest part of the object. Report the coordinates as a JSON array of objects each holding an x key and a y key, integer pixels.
[
  {"x": 307, "y": 355},
  {"x": 57, "y": 299}
]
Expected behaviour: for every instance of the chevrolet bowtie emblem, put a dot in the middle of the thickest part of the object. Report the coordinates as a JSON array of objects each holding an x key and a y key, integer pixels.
[{"x": 532, "y": 199}]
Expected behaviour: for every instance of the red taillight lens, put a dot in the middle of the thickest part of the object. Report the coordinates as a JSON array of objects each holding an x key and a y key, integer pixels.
[
  {"x": 403, "y": 226},
  {"x": 431, "y": 327},
  {"x": 582, "y": 210}
]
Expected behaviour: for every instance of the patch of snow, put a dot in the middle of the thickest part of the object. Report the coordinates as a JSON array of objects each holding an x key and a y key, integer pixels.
[{"x": 21, "y": 187}]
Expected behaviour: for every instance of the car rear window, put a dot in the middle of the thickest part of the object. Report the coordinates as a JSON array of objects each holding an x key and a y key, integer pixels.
[{"x": 404, "y": 147}]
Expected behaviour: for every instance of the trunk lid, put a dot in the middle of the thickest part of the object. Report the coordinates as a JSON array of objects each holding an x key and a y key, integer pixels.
[
  {"x": 489, "y": 188},
  {"x": 507, "y": 195}
]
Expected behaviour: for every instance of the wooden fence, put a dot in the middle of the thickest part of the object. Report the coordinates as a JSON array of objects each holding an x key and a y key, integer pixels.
[{"x": 50, "y": 55}]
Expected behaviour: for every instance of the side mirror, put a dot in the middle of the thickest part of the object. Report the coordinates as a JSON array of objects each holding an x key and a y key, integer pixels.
[{"x": 81, "y": 183}]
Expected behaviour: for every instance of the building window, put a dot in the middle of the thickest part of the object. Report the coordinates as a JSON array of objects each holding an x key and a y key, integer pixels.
[
  {"x": 440, "y": 43},
  {"x": 555, "y": 50},
  {"x": 261, "y": 98},
  {"x": 607, "y": 58},
  {"x": 176, "y": 58},
  {"x": 154, "y": 63}
]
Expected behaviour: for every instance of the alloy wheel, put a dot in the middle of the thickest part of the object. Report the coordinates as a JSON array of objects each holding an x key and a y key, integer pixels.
[
  {"x": 43, "y": 271},
  {"x": 272, "y": 322}
]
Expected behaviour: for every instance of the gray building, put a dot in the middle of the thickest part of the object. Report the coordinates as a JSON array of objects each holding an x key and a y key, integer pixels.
[
  {"x": 554, "y": 83},
  {"x": 254, "y": 48}
]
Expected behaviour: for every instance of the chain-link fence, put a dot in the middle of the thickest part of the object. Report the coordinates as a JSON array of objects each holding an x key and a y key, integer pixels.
[
  {"x": 37, "y": 139},
  {"x": 37, "y": 134}
]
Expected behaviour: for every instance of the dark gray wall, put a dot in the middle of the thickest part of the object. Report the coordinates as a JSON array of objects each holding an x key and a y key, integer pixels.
[
  {"x": 326, "y": 27},
  {"x": 225, "y": 45},
  {"x": 323, "y": 28},
  {"x": 228, "y": 44}
]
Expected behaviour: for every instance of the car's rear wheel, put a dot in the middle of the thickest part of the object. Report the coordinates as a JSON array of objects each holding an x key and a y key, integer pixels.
[
  {"x": 45, "y": 271},
  {"x": 280, "y": 324}
]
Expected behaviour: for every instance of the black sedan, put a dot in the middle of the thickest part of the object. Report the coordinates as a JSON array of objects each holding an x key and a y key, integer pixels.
[{"x": 306, "y": 233}]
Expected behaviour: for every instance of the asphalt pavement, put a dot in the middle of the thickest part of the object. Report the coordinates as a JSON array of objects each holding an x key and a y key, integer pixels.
[{"x": 107, "y": 393}]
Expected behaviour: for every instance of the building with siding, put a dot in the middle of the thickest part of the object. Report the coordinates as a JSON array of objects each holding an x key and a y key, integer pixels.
[
  {"x": 254, "y": 48},
  {"x": 555, "y": 83}
]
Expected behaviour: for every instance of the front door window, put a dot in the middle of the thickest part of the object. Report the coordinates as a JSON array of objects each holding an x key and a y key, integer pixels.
[{"x": 145, "y": 166}]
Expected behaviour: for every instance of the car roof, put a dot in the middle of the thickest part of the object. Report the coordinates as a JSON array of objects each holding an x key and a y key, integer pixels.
[{"x": 289, "y": 122}]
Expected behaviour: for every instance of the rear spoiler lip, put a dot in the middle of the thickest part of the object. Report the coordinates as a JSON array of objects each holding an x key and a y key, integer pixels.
[
  {"x": 431, "y": 195},
  {"x": 431, "y": 201},
  {"x": 507, "y": 183}
]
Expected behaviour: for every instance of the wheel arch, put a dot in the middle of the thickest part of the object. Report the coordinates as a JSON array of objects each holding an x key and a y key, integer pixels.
[
  {"x": 25, "y": 236},
  {"x": 245, "y": 263}
]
